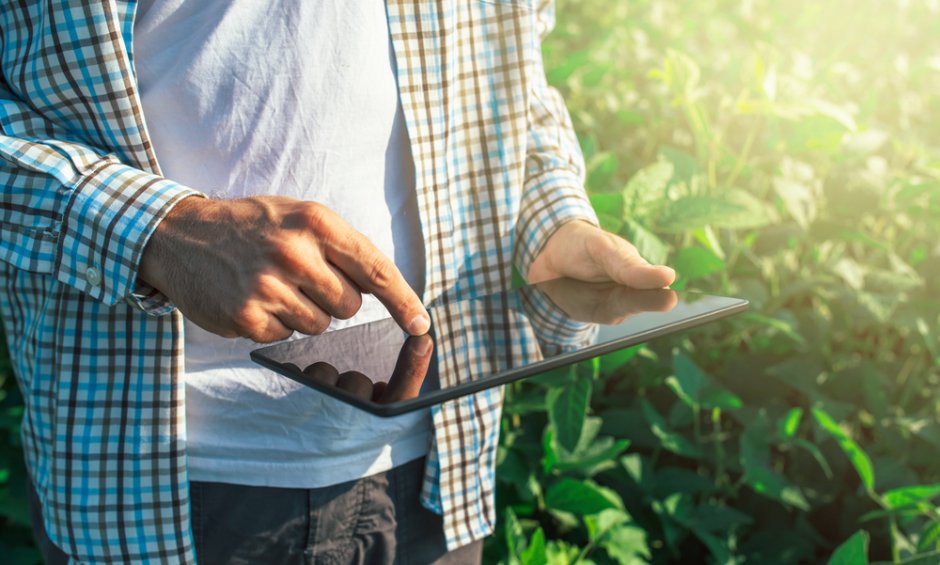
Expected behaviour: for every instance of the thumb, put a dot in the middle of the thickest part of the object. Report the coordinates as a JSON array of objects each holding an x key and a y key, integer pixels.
[{"x": 621, "y": 261}]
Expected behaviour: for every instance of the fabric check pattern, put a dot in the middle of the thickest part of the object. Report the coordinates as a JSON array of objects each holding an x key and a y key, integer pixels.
[{"x": 97, "y": 354}]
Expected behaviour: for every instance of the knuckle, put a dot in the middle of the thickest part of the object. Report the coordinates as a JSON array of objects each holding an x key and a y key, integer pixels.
[
  {"x": 265, "y": 286},
  {"x": 319, "y": 324},
  {"x": 347, "y": 306},
  {"x": 290, "y": 261},
  {"x": 253, "y": 323},
  {"x": 271, "y": 331},
  {"x": 244, "y": 319},
  {"x": 317, "y": 216},
  {"x": 599, "y": 246},
  {"x": 381, "y": 273}
]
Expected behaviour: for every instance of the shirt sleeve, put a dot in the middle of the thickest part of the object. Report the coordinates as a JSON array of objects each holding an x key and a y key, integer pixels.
[
  {"x": 75, "y": 212},
  {"x": 553, "y": 192}
]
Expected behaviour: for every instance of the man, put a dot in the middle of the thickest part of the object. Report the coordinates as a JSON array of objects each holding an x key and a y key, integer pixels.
[{"x": 106, "y": 257}]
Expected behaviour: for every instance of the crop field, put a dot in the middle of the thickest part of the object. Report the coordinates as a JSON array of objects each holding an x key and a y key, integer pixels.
[{"x": 787, "y": 152}]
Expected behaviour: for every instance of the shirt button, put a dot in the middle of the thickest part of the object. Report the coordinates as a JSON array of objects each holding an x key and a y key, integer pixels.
[{"x": 93, "y": 276}]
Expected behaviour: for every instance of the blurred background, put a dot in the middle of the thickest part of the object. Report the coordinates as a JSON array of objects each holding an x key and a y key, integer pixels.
[{"x": 785, "y": 152}]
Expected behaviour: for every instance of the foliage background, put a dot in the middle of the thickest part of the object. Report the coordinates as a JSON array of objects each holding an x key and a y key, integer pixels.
[{"x": 785, "y": 152}]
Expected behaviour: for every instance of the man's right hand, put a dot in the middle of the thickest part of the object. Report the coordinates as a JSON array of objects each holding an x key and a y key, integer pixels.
[{"x": 264, "y": 267}]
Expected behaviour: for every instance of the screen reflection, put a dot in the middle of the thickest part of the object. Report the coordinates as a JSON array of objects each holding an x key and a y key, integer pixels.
[{"x": 469, "y": 340}]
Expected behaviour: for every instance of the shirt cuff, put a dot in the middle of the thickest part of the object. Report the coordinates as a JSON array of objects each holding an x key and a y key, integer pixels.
[
  {"x": 112, "y": 212},
  {"x": 550, "y": 200}
]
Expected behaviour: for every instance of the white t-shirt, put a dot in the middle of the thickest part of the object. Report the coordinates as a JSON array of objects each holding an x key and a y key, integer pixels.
[{"x": 295, "y": 98}]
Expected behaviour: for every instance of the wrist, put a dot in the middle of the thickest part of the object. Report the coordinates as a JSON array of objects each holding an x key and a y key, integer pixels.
[
  {"x": 159, "y": 248},
  {"x": 545, "y": 266}
]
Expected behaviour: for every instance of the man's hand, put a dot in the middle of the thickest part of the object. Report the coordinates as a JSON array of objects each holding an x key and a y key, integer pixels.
[
  {"x": 264, "y": 267},
  {"x": 584, "y": 252}
]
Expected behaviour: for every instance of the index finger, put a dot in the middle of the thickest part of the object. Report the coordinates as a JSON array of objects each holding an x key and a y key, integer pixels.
[{"x": 376, "y": 274}]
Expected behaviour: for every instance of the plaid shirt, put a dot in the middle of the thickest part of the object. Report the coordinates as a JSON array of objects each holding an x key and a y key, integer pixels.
[{"x": 98, "y": 355}]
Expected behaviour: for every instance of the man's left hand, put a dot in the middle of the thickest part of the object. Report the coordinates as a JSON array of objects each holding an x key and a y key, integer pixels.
[{"x": 581, "y": 251}]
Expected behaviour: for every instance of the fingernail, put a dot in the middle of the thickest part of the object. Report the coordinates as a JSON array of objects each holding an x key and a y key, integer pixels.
[
  {"x": 419, "y": 325},
  {"x": 422, "y": 345}
]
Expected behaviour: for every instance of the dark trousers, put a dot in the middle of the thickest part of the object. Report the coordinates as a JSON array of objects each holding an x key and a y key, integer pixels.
[{"x": 377, "y": 519}]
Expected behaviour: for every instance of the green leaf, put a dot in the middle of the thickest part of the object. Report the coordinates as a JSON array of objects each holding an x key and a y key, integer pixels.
[
  {"x": 535, "y": 553},
  {"x": 633, "y": 464},
  {"x": 581, "y": 497},
  {"x": 690, "y": 212},
  {"x": 614, "y": 361},
  {"x": 767, "y": 482},
  {"x": 690, "y": 377},
  {"x": 851, "y": 272},
  {"x": 555, "y": 378},
  {"x": 784, "y": 327},
  {"x": 907, "y": 496},
  {"x": 558, "y": 552},
  {"x": 627, "y": 545},
  {"x": 670, "y": 441},
  {"x": 754, "y": 449},
  {"x": 789, "y": 423},
  {"x": 697, "y": 262},
  {"x": 733, "y": 209},
  {"x": 515, "y": 539},
  {"x": 589, "y": 431},
  {"x": 753, "y": 213},
  {"x": 816, "y": 454},
  {"x": 859, "y": 458},
  {"x": 929, "y": 537},
  {"x": 697, "y": 388},
  {"x": 853, "y": 552},
  {"x": 864, "y": 142},
  {"x": 549, "y": 450},
  {"x": 612, "y": 224},
  {"x": 713, "y": 396},
  {"x": 798, "y": 198},
  {"x": 529, "y": 401},
  {"x": 599, "y": 524},
  {"x": 596, "y": 456},
  {"x": 646, "y": 190},
  {"x": 647, "y": 244},
  {"x": 569, "y": 407},
  {"x": 685, "y": 166},
  {"x": 610, "y": 203},
  {"x": 600, "y": 171},
  {"x": 680, "y": 73},
  {"x": 513, "y": 468}
]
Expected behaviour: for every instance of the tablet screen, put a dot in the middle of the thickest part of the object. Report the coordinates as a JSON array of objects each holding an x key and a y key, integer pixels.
[{"x": 486, "y": 341}]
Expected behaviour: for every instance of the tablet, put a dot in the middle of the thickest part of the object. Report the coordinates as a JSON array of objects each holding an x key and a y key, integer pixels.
[{"x": 486, "y": 341}]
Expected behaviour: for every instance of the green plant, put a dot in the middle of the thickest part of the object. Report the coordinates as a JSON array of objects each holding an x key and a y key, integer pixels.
[
  {"x": 16, "y": 539},
  {"x": 779, "y": 152}
]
